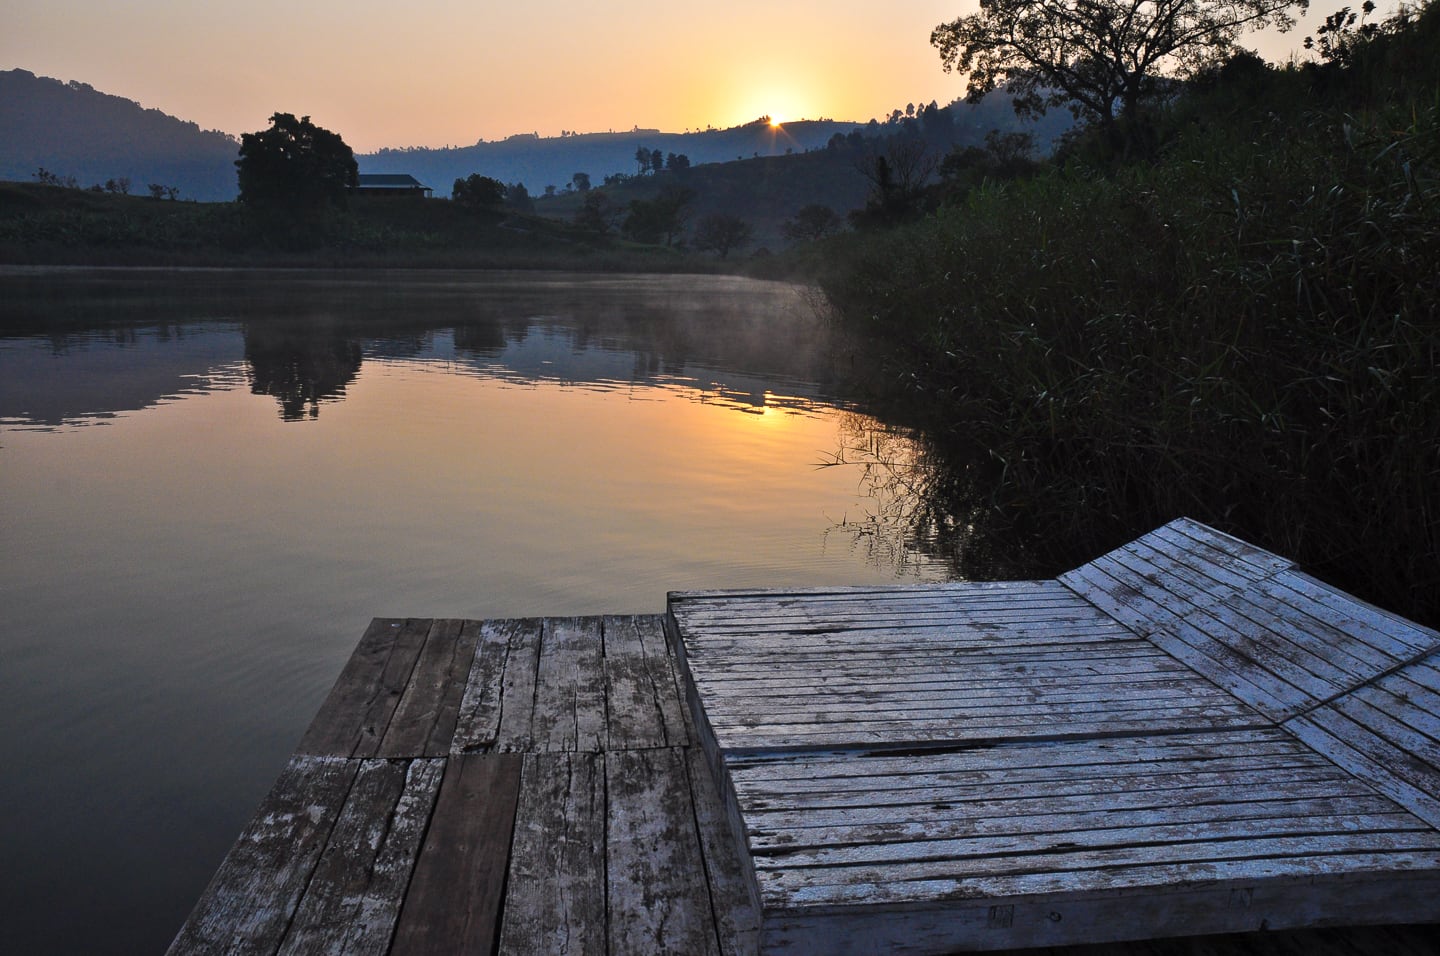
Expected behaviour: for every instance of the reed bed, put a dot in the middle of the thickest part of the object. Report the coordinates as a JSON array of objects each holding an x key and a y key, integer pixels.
[{"x": 1243, "y": 330}]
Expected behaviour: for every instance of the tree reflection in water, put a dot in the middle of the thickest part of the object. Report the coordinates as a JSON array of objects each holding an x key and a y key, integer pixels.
[{"x": 300, "y": 364}]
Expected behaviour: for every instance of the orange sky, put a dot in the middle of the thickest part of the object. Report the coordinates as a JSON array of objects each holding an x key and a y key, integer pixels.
[{"x": 449, "y": 72}]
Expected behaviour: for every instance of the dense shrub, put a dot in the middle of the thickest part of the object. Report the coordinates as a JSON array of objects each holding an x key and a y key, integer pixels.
[{"x": 1243, "y": 330}]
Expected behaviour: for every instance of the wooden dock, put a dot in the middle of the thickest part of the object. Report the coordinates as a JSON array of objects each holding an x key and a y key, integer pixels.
[
  {"x": 472, "y": 787},
  {"x": 1186, "y": 736}
]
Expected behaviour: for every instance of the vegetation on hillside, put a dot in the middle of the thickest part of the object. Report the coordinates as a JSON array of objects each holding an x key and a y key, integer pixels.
[{"x": 1236, "y": 321}]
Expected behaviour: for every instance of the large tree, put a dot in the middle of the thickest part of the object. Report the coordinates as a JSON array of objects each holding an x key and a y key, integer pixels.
[
  {"x": 721, "y": 232},
  {"x": 295, "y": 165},
  {"x": 1101, "y": 58}
]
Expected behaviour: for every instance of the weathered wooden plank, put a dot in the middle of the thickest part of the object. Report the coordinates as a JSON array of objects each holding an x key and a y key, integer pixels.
[
  {"x": 1121, "y": 599},
  {"x": 921, "y": 803},
  {"x": 641, "y": 693},
  {"x": 731, "y": 878},
  {"x": 658, "y": 898},
  {"x": 1263, "y": 562},
  {"x": 518, "y": 688},
  {"x": 353, "y": 900},
  {"x": 1334, "y": 654},
  {"x": 1362, "y": 751},
  {"x": 359, "y": 706},
  {"x": 1143, "y": 839},
  {"x": 1063, "y": 815},
  {"x": 570, "y": 687},
  {"x": 477, "y": 725},
  {"x": 1085, "y": 870},
  {"x": 973, "y": 674},
  {"x": 253, "y": 895},
  {"x": 1259, "y": 687},
  {"x": 916, "y": 639},
  {"x": 1122, "y": 719},
  {"x": 424, "y": 720},
  {"x": 923, "y": 774},
  {"x": 963, "y": 664},
  {"x": 1106, "y": 756},
  {"x": 818, "y": 618},
  {"x": 1106, "y": 917},
  {"x": 885, "y": 704},
  {"x": 682, "y": 599},
  {"x": 555, "y": 893},
  {"x": 1395, "y": 636},
  {"x": 455, "y": 895}
]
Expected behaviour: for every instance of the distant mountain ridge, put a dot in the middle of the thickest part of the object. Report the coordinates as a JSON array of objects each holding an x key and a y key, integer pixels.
[
  {"x": 553, "y": 161},
  {"x": 73, "y": 130}
]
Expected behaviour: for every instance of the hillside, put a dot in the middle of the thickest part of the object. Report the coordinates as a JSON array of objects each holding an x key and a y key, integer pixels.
[
  {"x": 74, "y": 130},
  {"x": 552, "y": 161}
]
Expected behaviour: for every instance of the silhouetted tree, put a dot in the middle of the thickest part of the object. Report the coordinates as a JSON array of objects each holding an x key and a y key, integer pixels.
[
  {"x": 597, "y": 214},
  {"x": 295, "y": 166},
  {"x": 676, "y": 162},
  {"x": 518, "y": 197},
  {"x": 657, "y": 161},
  {"x": 581, "y": 181},
  {"x": 1092, "y": 55},
  {"x": 897, "y": 179},
  {"x": 661, "y": 219},
  {"x": 478, "y": 192},
  {"x": 811, "y": 222},
  {"x": 721, "y": 232}
]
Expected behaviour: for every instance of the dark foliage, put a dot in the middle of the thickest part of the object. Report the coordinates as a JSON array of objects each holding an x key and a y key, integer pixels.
[{"x": 295, "y": 166}]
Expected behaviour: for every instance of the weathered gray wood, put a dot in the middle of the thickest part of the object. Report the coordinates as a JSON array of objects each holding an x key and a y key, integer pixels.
[
  {"x": 658, "y": 898},
  {"x": 1307, "y": 598},
  {"x": 1208, "y": 907},
  {"x": 424, "y": 720},
  {"x": 570, "y": 687},
  {"x": 518, "y": 688},
  {"x": 250, "y": 901},
  {"x": 1263, "y": 562},
  {"x": 1359, "y": 858},
  {"x": 555, "y": 893},
  {"x": 477, "y": 725},
  {"x": 641, "y": 692},
  {"x": 1057, "y": 815},
  {"x": 733, "y": 894},
  {"x": 455, "y": 895},
  {"x": 359, "y": 706},
  {"x": 352, "y": 902}
]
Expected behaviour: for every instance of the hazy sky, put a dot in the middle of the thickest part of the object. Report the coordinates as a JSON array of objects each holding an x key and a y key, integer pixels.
[{"x": 449, "y": 72}]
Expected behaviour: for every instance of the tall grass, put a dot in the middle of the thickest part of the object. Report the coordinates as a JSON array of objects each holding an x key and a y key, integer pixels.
[{"x": 1244, "y": 331}]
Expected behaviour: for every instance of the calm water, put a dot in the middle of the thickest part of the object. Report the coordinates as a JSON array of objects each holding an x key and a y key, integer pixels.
[{"x": 211, "y": 481}]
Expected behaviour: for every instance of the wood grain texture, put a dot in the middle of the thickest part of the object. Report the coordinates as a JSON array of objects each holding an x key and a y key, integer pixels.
[
  {"x": 569, "y": 687},
  {"x": 425, "y": 717},
  {"x": 254, "y": 894},
  {"x": 353, "y": 900},
  {"x": 360, "y": 705},
  {"x": 454, "y": 900},
  {"x": 519, "y": 688},
  {"x": 555, "y": 893},
  {"x": 641, "y": 691},
  {"x": 659, "y": 900},
  {"x": 477, "y": 725}
]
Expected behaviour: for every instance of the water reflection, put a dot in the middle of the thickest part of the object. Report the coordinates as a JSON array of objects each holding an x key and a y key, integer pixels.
[
  {"x": 300, "y": 365},
  {"x": 283, "y": 456},
  {"x": 140, "y": 337}
]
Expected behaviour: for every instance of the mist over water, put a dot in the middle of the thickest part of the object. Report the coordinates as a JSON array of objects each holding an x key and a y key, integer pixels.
[{"x": 213, "y": 480}]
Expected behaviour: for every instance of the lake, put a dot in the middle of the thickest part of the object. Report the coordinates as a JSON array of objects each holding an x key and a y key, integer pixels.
[{"x": 213, "y": 480}]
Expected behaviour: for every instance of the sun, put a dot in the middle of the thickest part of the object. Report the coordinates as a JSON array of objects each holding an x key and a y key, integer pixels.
[{"x": 775, "y": 121}]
